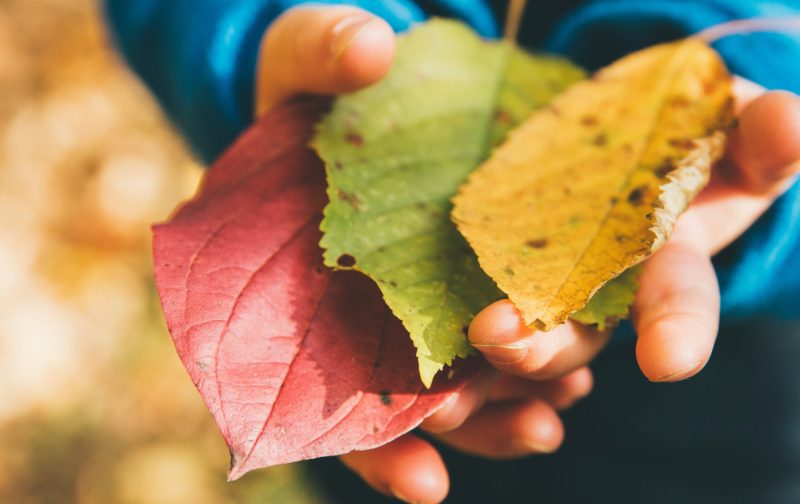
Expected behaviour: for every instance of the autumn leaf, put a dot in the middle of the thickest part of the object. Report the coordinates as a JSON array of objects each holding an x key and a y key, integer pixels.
[
  {"x": 293, "y": 361},
  {"x": 396, "y": 153},
  {"x": 612, "y": 302},
  {"x": 592, "y": 184}
]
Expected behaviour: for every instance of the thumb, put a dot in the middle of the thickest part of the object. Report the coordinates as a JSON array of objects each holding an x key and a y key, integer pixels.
[{"x": 321, "y": 50}]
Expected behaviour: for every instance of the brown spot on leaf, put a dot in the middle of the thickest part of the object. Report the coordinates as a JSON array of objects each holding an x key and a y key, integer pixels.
[
  {"x": 712, "y": 84},
  {"x": 613, "y": 200},
  {"x": 337, "y": 165},
  {"x": 726, "y": 120},
  {"x": 354, "y": 138},
  {"x": 350, "y": 199},
  {"x": 683, "y": 143},
  {"x": 732, "y": 124},
  {"x": 664, "y": 168},
  {"x": 537, "y": 243},
  {"x": 636, "y": 195},
  {"x": 601, "y": 140},
  {"x": 431, "y": 210},
  {"x": 508, "y": 271},
  {"x": 680, "y": 101},
  {"x": 346, "y": 261},
  {"x": 589, "y": 120},
  {"x": 503, "y": 117}
]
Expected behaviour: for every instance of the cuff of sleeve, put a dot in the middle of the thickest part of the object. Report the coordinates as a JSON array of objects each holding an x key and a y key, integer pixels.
[
  {"x": 232, "y": 59},
  {"x": 605, "y": 30}
]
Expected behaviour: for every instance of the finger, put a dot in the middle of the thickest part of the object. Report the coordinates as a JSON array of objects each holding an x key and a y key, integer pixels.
[
  {"x": 509, "y": 430},
  {"x": 463, "y": 404},
  {"x": 321, "y": 50},
  {"x": 499, "y": 333},
  {"x": 763, "y": 156},
  {"x": 561, "y": 393},
  {"x": 408, "y": 468},
  {"x": 766, "y": 145},
  {"x": 676, "y": 313}
]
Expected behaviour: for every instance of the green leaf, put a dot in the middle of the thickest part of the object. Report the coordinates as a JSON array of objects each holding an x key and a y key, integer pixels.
[
  {"x": 612, "y": 302},
  {"x": 396, "y": 153}
]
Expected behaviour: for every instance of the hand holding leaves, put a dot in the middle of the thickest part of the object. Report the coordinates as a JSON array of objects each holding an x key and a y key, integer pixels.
[
  {"x": 676, "y": 312},
  {"x": 220, "y": 342}
]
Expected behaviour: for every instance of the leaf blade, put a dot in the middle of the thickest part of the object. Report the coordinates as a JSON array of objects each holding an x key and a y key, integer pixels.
[
  {"x": 396, "y": 153},
  {"x": 612, "y": 302},
  {"x": 556, "y": 234},
  {"x": 292, "y": 360}
]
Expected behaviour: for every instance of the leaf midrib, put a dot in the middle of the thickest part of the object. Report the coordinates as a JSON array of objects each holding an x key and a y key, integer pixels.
[{"x": 630, "y": 172}]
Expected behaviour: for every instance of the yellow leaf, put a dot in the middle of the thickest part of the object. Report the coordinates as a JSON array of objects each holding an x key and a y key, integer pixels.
[{"x": 593, "y": 184}]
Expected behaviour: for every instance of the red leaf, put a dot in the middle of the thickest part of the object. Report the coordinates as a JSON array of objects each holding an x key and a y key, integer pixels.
[{"x": 293, "y": 361}]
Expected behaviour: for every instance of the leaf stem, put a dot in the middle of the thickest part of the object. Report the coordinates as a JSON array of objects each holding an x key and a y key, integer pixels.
[{"x": 513, "y": 19}]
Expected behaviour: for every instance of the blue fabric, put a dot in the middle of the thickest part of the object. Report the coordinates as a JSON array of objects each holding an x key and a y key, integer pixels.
[{"x": 199, "y": 58}]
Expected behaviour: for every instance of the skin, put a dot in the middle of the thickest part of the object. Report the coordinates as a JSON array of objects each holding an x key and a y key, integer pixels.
[{"x": 511, "y": 409}]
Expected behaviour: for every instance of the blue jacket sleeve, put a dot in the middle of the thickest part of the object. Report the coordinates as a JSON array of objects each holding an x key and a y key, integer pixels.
[
  {"x": 199, "y": 56},
  {"x": 760, "y": 273}
]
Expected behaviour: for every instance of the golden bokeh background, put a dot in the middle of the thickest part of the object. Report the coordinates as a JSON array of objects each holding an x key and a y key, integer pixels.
[{"x": 94, "y": 404}]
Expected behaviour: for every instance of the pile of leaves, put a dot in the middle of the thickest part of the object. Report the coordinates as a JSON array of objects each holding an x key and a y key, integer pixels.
[{"x": 309, "y": 290}]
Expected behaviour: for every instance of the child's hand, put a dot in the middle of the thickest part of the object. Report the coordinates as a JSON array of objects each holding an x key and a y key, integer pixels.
[
  {"x": 329, "y": 50},
  {"x": 676, "y": 313},
  {"x": 498, "y": 416},
  {"x": 321, "y": 50}
]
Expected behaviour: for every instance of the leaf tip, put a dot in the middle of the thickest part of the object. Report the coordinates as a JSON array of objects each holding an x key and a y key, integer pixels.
[
  {"x": 428, "y": 370},
  {"x": 238, "y": 467}
]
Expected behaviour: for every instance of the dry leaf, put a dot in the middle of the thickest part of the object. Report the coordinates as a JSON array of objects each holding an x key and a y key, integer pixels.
[{"x": 592, "y": 184}]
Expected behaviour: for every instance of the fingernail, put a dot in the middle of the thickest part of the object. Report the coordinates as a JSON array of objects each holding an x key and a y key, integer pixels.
[
  {"x": 347, "y": 30},
  {"x": 682, "y": 374},
  {"x": 499, "y": 324},
  {"x": 399, "y": 496},
  {"x": 534, "y": 446},
  {"x": 509, "y": 353}
]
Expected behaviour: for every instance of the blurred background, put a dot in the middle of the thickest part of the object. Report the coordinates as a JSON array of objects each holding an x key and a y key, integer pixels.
[{"x": 95, "y": 406}]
